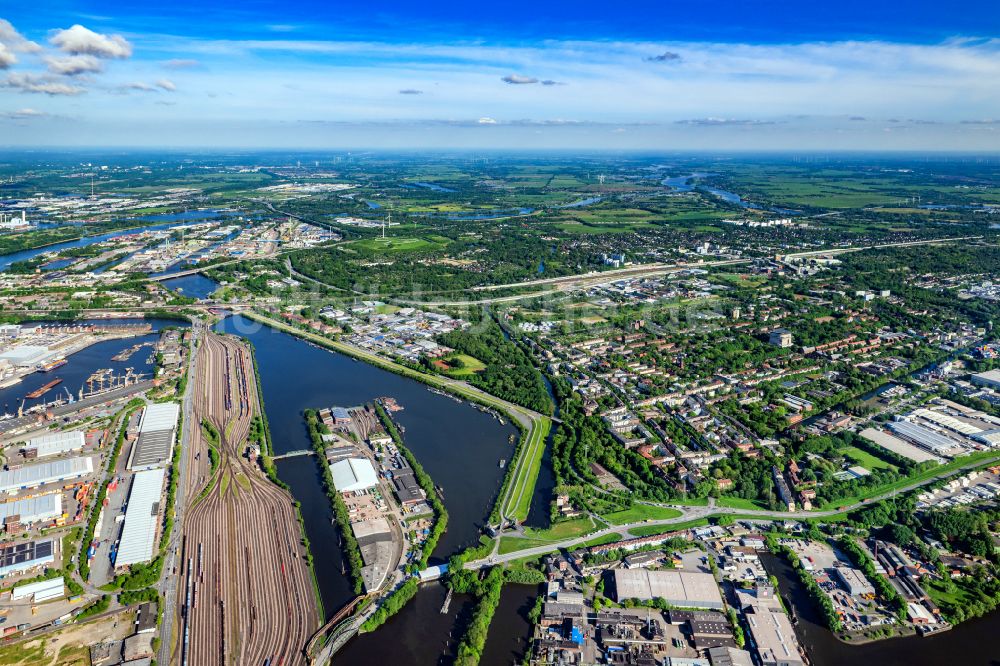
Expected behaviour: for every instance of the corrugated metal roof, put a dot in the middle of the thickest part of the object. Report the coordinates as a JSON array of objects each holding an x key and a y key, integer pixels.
[
  {"x": 160, "y": 416},
  {"x": 141, "y": 518},
  {"x": 56, "y": 443},
  {"x": 926, "y": 437},
  {"x": 42, "y": 587},
  {"x": 30, "y": 476},
  {"x": 40, "y": 507},
  {"x": 152, "y": 449}
]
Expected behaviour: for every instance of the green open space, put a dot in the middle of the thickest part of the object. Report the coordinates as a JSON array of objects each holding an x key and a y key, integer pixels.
[
  {"x": 982, "y": 457},
  {"x": 523, "y": 486},
  {"x": 639, "y": 512},
  {"x": 468, "y": 365},
  {"x": 865, "y": 459}
]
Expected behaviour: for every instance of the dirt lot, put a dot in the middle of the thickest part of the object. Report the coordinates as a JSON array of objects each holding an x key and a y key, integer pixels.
[{"x": 67, "y": 647}]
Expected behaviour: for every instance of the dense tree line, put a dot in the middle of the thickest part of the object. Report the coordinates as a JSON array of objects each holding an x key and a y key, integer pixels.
[
  {"x": 581, "y": 439},
  {"x": 392, "y": 605},
  {"x": 426, "y": 483},
  {"x": 509, "y": 373}
]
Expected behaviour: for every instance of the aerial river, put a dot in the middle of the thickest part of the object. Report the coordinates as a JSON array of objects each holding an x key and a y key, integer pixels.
[
  {"x": 82, "y": 364},
  {"x": 458, "y": 445},
  {"x": 154, "y": 223}
]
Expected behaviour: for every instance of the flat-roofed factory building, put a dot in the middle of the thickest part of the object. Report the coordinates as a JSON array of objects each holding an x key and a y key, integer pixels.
[
  {"x": 156, "y": 436},
  {"x": 54, "y": 444},
  {"x": 32, "y": 476},
  {"x": 142, "y": 518},
  {"x": 353, "y": 474},
  {"x": 684, "y": 589},
  {"x": 31, "y": 510},
  {"x": 16, "y": 558}
]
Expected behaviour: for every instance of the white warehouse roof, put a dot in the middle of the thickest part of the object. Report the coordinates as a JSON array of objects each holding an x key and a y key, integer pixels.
[
  {"x": 25, "y": 355},
  {"x": 141, "y": 518},
  {"x": 160, "y": 416},
  {"x": 353, "y": 474},
  {"x": 56, "y": 443},
  {"x": 31, "y": 476},
  {"x": 33, "y": 509},
  {"x": 687, "y": 589},
  {"x": 42, "y": 590}
]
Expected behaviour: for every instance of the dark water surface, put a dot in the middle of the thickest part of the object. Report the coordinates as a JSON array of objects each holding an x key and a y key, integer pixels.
[
  {"x": 193, "y": 286},
  {"x": 458, "y": 445},
  {"x": 510, "y": 630},
  {"x": 162, "y": 221}
]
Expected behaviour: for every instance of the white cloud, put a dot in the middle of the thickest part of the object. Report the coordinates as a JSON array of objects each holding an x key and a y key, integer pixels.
[
  {"x": 142, "y": 86},
  {"x": 486, "y": 121},
  {"x": 46, "y": 85},
  {"x": 136, "y": 85},
  {"x": 7, "y": 57},
  {"x": 15, "y": 41},
  {"x": 23, "y": 114},
  {"x": 73, "y": 65},
  {"x": 519, "y": 79},
  {"x": 78, "y": 40}
]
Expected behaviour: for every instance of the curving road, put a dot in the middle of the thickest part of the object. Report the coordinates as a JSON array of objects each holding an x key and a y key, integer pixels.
[{"x": 689, "y": 513}]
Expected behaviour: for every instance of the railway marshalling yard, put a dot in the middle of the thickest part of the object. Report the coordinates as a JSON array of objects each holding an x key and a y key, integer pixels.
[{"x": 245, "y": 592}]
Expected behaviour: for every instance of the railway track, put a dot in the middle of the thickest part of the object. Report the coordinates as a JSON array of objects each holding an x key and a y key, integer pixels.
[{"x": 250, "y": 595}]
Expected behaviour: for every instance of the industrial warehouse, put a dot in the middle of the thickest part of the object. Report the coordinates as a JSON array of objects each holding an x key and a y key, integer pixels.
[
  {"x": 32, "y": 476},
  {"x": 18, "y": 558},
  {"x": 142, "y": 519},
  {"x": 684, "y": 589},
  {"x": 156, "y": 436},
  {"x": 30, "y": 510},
  {"x": 54, "y": 444},
  {"x": 353, "y": 474}
]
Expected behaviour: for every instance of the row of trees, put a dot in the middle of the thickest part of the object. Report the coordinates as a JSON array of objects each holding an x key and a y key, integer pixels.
[
  {"x": 392, "y": 605},
  {"x": 426, "y": 483},
  {"x": 816, "y": 593}
]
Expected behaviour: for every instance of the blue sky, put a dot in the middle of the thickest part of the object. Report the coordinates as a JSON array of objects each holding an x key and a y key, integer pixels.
[{"x": 637, "y": 75}]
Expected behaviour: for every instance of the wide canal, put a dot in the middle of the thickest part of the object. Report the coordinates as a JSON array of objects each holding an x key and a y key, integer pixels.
[{"x": 458, "y": 445}]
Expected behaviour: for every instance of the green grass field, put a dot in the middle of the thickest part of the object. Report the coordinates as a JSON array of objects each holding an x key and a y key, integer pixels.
[
  {"x": 647, "y": 530},
  {"x": 399, "y": 244},
  {"x": 979, "y": 457},
  {"x": 640, "y": 512},
  {"x": 557, "y": 532},
  {"x": 518, "y": 501},
  {"x": 471, "y": 366},
  {"x": 740, "y": 503},
  {"x": 865, "y": 459}
]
